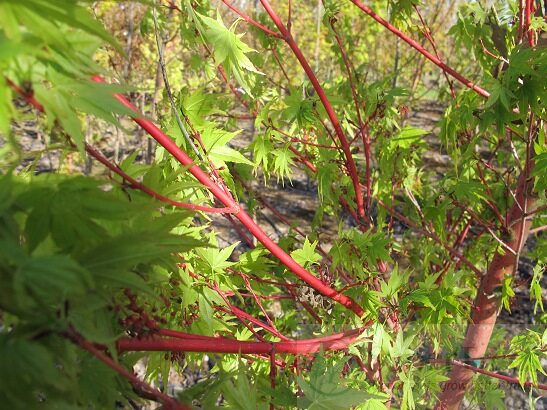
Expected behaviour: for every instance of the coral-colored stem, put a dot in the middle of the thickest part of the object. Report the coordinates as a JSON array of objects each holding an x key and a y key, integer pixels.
[
  {"x": 227, "y": 200},
  {"x": 413, "y": 43},
  {"x": 508, "y": 379},
  {"x": 337, "y": 341},
  {"x": 243, "y": 217},
  {"x": 251, "y": 21},
  {"x": 528, "y": 22},
  {"x": 147, "y": 390},
  {"x": 350, "y": 163}
]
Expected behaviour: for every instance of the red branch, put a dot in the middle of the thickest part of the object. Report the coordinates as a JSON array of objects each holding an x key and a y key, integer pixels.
[
  {"x": 142, "y": 387},
  {"x": 528, "y": 22},
  {"x": 413, "y": 43},
  {"x": 508, "y": 379},
  {"x": 241, "y": 215},
  {"x": 251, "y": 21},
  {"x": 208, "y": 344},
  {"x": 350, "y": 163},
  {"x": 227, "y": 200}
]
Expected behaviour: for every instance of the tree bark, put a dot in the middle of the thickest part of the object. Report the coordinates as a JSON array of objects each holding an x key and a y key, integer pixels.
[{"x": 487, "y": 303}]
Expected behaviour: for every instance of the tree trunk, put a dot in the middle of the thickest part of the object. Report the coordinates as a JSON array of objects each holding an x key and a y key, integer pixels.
[{"x": 487, "y": 303}]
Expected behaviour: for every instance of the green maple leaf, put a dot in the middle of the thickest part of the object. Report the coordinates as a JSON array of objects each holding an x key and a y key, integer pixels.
[
  {"x": 326, "y": 390},
  {"x": 493, "y": 399},
  {"x": 216, "y": 260},
  {"x": 229, "y": 49},
  {"x": 540, "y": 172},
  {"x": 307, "y": 255},
  {"x": 215, "y": 142},
  {"x": 282, "y": 163}
]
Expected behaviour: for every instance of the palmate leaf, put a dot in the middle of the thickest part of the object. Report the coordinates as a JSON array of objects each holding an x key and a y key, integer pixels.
[
  {"x": 419, "y": 296},
  {"x": 215, "y": 142},
  {"x": 94, "y": 319},
  {"x": 535, "y": 286},
  {"x": 281, "y": 395},
  {"x": 282, "y": 163},
  {"x": 66, "y": 96},
  {"x": 528, "y": 347},
  {"x": 229, "y": 49},
  {"x": 507, "y": 292},
  {"x": 206, "y": 391},
  {"x": 67, "y": 12},
  {"x": 326, "y": 175},
  {"x": 216, "y": 260},
  {"x": 100, "y": 385},
  {"x": 400, "y": 348},
  {"x": 50, "y": 279},
  {"x": 464, "y": 190},
  {"x": 106, "y": 234},
  {"x": 299, "y": 109},
  {"x": 97, "y": 99},
  {"x": 198, "y": 105},
  {"x": 529, "y": 365},
  {"x": 255, "y": 261},
  {"x": 240, "y": 392},
  {"x": 25, "y": 367},
  {"x": 69, "y": 209},
  {"x": 395, "y": 283},
  {"x": 61, "y": 36},
  {"x": 493, "y": 398},
  {"x": 407, "y": 137},
  {"x": 326, "y": 390},
  {"x": 262, "y": 149},
  {"x": 307, "y": 255},
  {"x": 408, "y": 384},
  {"x": 219, "y": 155},
  {"x": 381, "y": 340},
  {"x": 57, "y": 107},
  {"x": 540, "y": 172},
  {"x": 373, "y": 245},
  {"x": 122, "y": 252}
]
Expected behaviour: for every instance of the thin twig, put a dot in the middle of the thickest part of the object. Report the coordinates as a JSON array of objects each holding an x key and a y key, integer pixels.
[
  {"x": 147, "y": 390},
  {"x": 251, "y": 21},
  {"x": 168, "y": 88}
]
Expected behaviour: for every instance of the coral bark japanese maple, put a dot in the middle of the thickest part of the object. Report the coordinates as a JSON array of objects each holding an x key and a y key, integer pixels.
[{"x": 97, "y": 271}]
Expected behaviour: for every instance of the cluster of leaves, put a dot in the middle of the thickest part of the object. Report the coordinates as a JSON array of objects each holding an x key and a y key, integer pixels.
[
  {"x": 70, "y": 247},
  {"x": 49, "y": 45}
]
